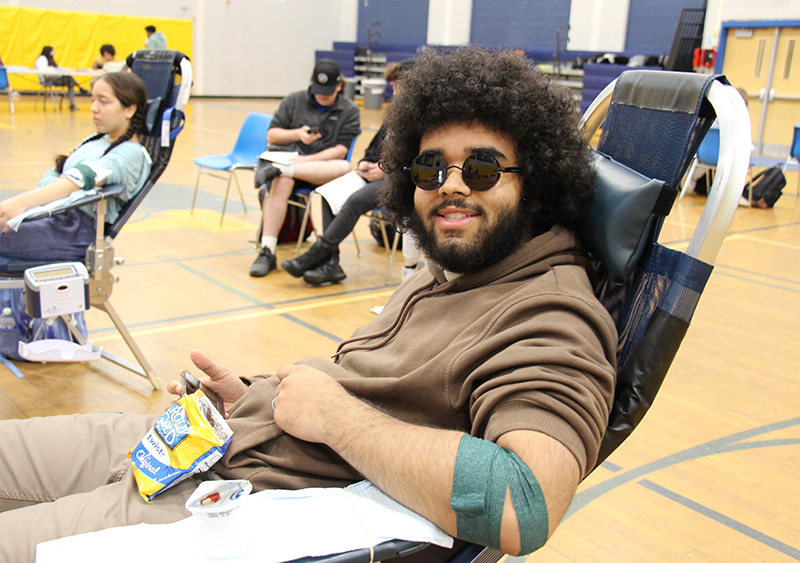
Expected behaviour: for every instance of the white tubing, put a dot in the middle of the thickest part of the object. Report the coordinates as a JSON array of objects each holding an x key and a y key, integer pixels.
[{"x": 730, "y": 176}]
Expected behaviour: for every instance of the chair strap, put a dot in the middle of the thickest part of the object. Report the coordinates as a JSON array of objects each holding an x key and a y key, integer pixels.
[{"x": 168, "y": 132}]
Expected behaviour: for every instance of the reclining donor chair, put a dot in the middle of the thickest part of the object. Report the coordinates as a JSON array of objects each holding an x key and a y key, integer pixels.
[
  {"x": 652, "y": 124},
  {"x": 168, "y": 79}
]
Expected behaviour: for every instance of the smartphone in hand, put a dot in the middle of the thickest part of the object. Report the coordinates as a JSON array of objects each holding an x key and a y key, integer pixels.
[{"x": 190, "y": 384}]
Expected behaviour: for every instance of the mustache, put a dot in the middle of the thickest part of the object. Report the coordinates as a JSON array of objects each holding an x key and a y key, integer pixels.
[{"x": 455, "y": 203}]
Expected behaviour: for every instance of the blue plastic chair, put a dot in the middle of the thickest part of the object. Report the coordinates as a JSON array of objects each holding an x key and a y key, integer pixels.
[
  {"x": 708, "y": 151},
  {"x": 252, "y": 141},
  {"x": 794, "y": 154},
  {"x": 4, "y": 85},
  {"x": 707, "y": 156}
]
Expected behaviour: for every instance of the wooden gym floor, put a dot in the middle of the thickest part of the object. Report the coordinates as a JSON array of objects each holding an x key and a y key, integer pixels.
[{"x": 712, "y": 474}]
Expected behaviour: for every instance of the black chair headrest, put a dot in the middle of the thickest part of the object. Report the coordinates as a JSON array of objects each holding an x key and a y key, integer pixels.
[{"x": 622, "y": 215}]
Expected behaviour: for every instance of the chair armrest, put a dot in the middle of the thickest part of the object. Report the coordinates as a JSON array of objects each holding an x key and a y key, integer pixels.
[
  {"x": 76, "y": 199},
  {"x": 387, "y": 550}
]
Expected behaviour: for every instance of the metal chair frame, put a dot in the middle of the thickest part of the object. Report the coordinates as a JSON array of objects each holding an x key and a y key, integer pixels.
[{"x": 250, "y": 143}]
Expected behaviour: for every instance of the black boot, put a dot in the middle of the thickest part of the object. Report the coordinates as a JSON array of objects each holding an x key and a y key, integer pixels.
[
  {"x": 312, "y": 257},
  {"x": 265, "y": 173},
  {"x": 327, "y": 272}
]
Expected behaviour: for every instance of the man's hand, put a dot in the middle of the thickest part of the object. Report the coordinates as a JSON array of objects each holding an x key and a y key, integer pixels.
[
  {"x": 370, "y": 171},
  {"x": 307, "y": 401},
  {"x": 218, "y": 378},
  {"x": 308, "y": 136}
]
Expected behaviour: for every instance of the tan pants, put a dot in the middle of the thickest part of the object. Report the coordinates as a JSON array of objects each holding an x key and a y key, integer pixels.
[{"x": 67, "y": 475}]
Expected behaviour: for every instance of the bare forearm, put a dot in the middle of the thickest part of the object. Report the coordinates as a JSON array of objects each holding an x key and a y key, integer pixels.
[
  {"x": 415, "y": 464},
  {"x": 412, "y": 464},
  {"x": 59, "y": 188},
  {"x": 280, "y": 136},
  {"x": 20, "y": 203}
]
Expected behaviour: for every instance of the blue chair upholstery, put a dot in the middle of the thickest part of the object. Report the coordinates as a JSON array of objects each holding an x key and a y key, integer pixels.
[{"x": 251, "y": 142}]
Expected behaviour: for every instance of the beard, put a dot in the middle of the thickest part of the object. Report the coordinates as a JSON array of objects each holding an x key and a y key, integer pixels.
[{"x": 490, "y": 244}]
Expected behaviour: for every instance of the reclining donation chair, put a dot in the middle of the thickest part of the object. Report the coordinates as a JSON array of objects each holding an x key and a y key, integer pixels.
[
  {"x": 652, "y": 123},
  {"x": 168, "y": 78}
]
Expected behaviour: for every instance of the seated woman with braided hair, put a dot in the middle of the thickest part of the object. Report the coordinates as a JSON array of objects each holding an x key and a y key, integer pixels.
[{"x": 112, "y": 156}]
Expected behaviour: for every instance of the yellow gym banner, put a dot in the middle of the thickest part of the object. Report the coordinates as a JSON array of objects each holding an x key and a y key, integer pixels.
[{"x": 76, "y": 37}]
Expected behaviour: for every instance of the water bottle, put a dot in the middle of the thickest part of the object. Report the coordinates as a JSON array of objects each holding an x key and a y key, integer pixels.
[{"x": 9, "y": 336}]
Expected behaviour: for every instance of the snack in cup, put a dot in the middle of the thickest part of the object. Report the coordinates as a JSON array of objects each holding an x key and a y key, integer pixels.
[{"x": 222, "y": 522}]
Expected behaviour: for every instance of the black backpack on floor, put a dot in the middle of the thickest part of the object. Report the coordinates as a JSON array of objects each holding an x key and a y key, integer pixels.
[{"x": 767, "y": 187}]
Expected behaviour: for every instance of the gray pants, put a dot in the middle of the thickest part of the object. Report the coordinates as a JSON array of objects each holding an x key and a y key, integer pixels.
[{"x": 67, "y": 475}]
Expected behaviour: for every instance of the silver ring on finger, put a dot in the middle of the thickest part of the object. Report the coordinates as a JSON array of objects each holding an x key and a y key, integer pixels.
[{"x": 273, "y": 402}]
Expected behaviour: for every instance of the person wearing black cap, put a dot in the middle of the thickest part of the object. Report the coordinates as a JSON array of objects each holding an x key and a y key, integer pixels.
[
  {"x": 319, "y": 125},
  {"x": 320, "y": 264}
]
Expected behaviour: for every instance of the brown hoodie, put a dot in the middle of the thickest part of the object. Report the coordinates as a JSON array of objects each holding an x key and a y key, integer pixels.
[{"x": 522, "y": 344}]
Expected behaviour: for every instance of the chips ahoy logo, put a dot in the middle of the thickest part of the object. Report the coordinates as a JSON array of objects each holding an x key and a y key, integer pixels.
[{"x": 173, "y": 427}]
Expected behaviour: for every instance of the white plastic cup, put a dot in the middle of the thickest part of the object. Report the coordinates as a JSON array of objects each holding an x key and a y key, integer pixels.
[{"x": 224, "y": 530}]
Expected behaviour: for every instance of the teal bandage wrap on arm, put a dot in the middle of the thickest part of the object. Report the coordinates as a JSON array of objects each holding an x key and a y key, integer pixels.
[
  {"x": 82, "y": 176},
  {"x": 484, "y": 472}
]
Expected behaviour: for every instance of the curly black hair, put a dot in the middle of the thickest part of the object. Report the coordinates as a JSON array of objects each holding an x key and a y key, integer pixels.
[{"x": 504, "y": 92}]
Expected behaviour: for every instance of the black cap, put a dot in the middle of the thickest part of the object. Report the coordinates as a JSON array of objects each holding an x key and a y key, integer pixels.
[{"x": 326, "y": 77}]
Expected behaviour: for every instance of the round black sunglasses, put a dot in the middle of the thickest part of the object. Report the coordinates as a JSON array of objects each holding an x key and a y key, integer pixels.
[{"x": 480, "y": 171}]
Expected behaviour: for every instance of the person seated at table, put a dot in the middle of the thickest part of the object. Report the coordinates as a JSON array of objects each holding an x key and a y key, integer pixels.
[
  {"x": 112, "y": 156},
  {"x": 107, "y": 54},
  {"x": 47, "y": 61}
]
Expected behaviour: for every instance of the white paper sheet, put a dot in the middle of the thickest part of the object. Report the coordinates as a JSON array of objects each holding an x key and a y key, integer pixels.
[
  {"x": 286, "y": 525},
  {"x": 281, "y": 157},
  {"x": 337, "y": 191}
]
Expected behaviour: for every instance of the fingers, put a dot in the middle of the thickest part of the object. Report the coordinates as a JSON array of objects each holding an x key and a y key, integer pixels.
[
  {"x": 286, "y": 371},
  {"x": 209, "y": 367},
  {"x": 174, "y": 388}
]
